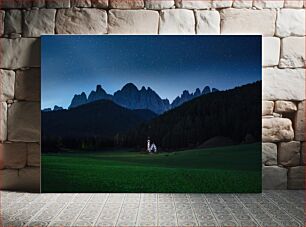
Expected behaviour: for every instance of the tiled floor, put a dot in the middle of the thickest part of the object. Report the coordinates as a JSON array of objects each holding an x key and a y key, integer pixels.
[{"x": 271, "y": 208}]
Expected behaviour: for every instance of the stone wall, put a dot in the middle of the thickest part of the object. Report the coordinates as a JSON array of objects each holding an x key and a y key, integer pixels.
[{"x": 281, "y": 22}]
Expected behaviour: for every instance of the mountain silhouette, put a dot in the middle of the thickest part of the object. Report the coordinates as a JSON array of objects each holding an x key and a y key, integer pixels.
[
  {"x": 99, "y": 94},
  {"x": 132, "y": 98},
  {"x": 100, "y": 120},
  {"x": 234, "y": 114},
  {"x": 78, "y": 100},
  {"x": 186, "y": 96}
]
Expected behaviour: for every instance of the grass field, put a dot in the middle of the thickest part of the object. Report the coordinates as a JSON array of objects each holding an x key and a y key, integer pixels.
[{"x": 224, "y": 169}]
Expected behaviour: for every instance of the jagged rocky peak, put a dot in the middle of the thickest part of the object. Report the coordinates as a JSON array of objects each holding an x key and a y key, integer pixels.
[
  {"x": 151, "y": 92},
  {"x": 185, "y": 94},
  {"x": 78, "y": 100},
  {"x": 185, "y": 97},
  {"x": 197, "y": 92},
  {"x": 57, "y": 108},
  {"x": 166, "y": 101},
  {"x": 47, "y": 110},
  {"x": 99, "y": 94},
  {"x": 129, "y": 87},
  {"x": 130, "y": 97},
  {"x": 83, "y": 95},
  {"x": 99, "y": 89},
  {"x": 206, "y": 90}
]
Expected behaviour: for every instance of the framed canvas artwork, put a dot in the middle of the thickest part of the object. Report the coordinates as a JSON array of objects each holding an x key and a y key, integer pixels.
[{"x": 166, "y": 114}]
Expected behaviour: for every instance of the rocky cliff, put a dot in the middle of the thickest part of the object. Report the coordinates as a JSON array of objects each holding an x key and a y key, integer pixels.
[{"x": 132, "y": 98}]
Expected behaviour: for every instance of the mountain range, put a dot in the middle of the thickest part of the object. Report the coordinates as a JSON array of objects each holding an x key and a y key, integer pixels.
[
  {"x": 233, "y": 114},
  {"x": 230, "y": 116},
  {"x": 132, "y": 98}
]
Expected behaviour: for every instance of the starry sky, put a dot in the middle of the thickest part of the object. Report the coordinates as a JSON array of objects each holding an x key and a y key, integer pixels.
[{"x": 167, "y": 64}]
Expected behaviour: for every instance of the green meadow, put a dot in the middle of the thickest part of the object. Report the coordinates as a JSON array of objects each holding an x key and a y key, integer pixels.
[{"x": 224, "y": 169}]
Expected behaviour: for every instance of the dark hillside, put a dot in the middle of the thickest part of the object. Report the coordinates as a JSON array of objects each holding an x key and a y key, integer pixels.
[
  {"x": 97, "y": 122},
  {"x": 235, "y": 114}
]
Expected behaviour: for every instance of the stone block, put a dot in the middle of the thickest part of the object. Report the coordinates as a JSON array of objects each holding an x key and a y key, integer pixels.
[
  {"x": 30, "y": 179},
  {"x": 274, "y": 177},
  {"x": 9, "y": 179},
  {"x": 293, "y": 52},
  {"x": 126, "y": 4},
  {"x": 15, "y": 4},
  {"x": 100, "y": 3},
  {"x": 177, "y": 21},
  {"x": 293, "y": 3},
  {"x": 13, "y": 21},
  {"x": 81, "y": 21},
  {"x": 80, "y": 3},
  {"x": 7, "y": 84},
  {"x": 24, "y": 122},
  {"x": 277, "y": 115},
  {"x": 303, "y": 153},
  {"x": 39, "y": 22},
  {"x": 269, "y": 154},
  {"x": 133, "y": 22},
  {"x": 56, "y": 4},
  {"x": 25, "y": 180},
  {"x": 242, "y": 4},
  {"x": 248, "y": 21},
  {"x": 207, "y": 22},
  {"x": 39, "y": 3},
  {"x": 159, "y": 4},
  {"x": 299, "y": 122},
  {"x": 277, "y": 130},
  {"x": 2, "y": 15},
  {"x": 20, "y": 53},
  {"x": 27, "y": 86},
  {"x": 285, "y": 107},
  {"x": 263, "y": 4},
  {"x": 289, "y": 153},
  {"x": 192, "y": 4},
  {"x": 3, "y": 121},
  {"x": 283, "y": 84},
  {"x": 33, "y": 158},
  {"x": 290, "y": 22},
  {"x": 271, "y": 51},
  {"x": 267, "y": 107},
  {"x": 13, "y": 155},
  {"x": 296, "y": 177},
  {"x": 221, "y": 3}
]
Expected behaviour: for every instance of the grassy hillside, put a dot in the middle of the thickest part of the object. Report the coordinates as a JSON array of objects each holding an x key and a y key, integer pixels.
[{"x": 225, "y": 169}]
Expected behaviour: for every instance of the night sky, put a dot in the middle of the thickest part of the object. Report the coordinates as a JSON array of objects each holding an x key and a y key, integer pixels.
[{"x": 167, "y": 64}]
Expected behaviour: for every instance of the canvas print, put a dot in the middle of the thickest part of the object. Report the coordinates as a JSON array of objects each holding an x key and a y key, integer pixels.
[{"x": 167, "y": 114}]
